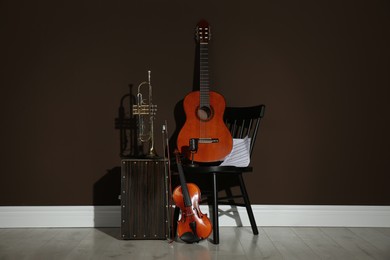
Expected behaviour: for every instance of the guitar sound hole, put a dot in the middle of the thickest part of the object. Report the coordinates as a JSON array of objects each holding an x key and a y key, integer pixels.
[{"x": 204, "y": 113}]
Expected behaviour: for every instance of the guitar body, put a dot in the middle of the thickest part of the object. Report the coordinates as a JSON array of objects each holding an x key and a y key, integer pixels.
[{"x": 205, "y": 123}]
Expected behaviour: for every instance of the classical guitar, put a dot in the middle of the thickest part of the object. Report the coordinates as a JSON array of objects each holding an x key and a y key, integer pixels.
[
  {"x": 193, "y": 225},
  {"x": 204, "y": 112}
]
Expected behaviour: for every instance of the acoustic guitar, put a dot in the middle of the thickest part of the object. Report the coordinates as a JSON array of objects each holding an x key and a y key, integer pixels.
[{"x": 204, "y": 111}]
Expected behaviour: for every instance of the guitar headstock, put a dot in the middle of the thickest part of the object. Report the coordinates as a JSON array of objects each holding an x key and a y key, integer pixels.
[{"x": 203, "y": 32}]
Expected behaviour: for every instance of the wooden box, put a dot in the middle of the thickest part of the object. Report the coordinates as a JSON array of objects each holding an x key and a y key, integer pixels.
[{"x": 145, "y": 199}]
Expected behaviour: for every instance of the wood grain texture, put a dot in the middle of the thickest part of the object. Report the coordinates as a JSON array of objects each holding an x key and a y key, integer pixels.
[{"x": 144, "y": 201}]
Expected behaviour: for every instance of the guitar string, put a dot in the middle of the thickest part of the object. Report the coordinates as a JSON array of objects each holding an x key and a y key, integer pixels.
[{"x": 204, "y": 88}]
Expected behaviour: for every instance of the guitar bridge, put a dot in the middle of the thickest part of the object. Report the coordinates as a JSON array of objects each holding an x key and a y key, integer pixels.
[{"x": 208, "y": 140}]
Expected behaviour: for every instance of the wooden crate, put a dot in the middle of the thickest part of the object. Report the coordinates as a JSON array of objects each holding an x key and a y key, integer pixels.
[{"x": 145, "y": 199}]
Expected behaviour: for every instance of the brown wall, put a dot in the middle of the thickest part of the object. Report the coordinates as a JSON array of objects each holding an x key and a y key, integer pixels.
[{"x": 322, "y": 69}]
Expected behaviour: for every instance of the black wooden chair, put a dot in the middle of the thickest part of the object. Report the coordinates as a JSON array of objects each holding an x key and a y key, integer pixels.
[{"x": 217, "y": 183}]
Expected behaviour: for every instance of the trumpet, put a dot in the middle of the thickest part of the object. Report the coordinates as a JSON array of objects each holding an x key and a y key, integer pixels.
[{"x": 146, "y": 111}]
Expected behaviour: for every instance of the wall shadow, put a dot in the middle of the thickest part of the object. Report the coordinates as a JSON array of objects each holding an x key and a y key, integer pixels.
[
  {"x": 180, "y": 117},
  {"x": 178, "y": 113},
  {"x": 107, "y": 189},
  {"x": 106, "y": 193}
]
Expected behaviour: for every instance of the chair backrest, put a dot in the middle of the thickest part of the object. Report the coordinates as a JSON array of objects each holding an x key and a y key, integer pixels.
[{"x": 244, "y": 121}]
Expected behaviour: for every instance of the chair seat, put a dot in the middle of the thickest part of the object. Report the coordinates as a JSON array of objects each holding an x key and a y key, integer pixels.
[{"x": 216, "y": 169}]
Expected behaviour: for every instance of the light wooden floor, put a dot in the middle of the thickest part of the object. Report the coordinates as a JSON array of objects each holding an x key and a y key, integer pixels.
[{"x": 235, "y": 243}]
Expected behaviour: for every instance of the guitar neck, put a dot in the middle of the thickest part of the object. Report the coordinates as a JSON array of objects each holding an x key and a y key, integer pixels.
[{"x": 204, "y": 79}]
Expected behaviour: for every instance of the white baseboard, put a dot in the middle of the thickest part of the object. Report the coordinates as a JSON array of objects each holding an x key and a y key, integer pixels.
[
  {"x": 322, "y": 216},
  {"x": 59, "y": 216},
  {"x": 265, "y": 215}
]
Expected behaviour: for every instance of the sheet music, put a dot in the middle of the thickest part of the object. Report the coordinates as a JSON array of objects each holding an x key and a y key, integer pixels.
[{"x": 239, "y": 156}]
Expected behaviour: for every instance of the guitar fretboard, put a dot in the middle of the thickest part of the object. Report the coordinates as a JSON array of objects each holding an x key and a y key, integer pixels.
[{"x": 204, "y": 75}]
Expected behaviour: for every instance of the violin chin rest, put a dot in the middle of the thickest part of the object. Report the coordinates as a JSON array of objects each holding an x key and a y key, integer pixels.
[{"x": 190, "y": 237}]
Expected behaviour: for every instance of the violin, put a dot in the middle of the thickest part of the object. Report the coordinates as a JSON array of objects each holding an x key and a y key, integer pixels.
[{"x": 193, "y": 225}]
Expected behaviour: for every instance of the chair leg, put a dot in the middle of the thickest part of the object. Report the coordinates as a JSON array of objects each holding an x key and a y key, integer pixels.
[
  {"x": 215, "y": 211},
  {"x": 248, "y": 205}
]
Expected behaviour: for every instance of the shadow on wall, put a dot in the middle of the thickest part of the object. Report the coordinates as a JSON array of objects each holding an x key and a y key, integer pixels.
[
  {"x": 107, "y": 189},
  {"x": 106, "y": 202},
  {"x": 180, "y": 117}
]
